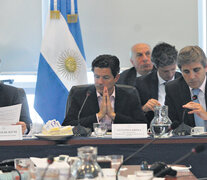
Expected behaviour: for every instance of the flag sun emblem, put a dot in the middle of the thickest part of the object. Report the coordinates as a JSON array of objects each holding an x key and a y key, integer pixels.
[{"x": 69, "y": 63}]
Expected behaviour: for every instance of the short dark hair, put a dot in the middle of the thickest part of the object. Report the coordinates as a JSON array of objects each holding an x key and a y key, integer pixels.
[
  {"x": 191, "y": 54},
  {"x": 164, "y": 54},
  {"x": 107, "y": 61}
]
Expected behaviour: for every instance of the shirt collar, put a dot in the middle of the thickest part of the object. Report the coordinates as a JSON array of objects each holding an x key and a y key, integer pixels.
[{"x": 138, "y": 75}]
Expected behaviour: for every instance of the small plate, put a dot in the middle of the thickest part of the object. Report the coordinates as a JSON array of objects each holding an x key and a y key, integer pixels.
[{"x": 53, "y": 137}]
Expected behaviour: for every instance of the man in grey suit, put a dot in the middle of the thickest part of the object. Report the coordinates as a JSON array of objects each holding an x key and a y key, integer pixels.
[
  {"x": 141, "y": 61},
  {"x": 181, "y": 93},
  {"x": 10, "y": 95},
  {"x": 106, "y": 103},
  {"x": 151, "y": 87}
]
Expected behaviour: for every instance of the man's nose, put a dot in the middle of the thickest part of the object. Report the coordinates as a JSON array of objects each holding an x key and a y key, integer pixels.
[
  {"x": 172, "y": 73},
  {"x": 191, "y": 75},
  {"x": 100, "y": 81}
]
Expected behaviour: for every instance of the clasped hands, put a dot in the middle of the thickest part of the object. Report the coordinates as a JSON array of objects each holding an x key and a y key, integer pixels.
[
  {"x": 196, "y": 108},
  {"x": 105, "y": 106}
]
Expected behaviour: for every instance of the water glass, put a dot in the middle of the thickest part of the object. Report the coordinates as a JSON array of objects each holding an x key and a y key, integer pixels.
[
  {"x": 116, "y": 160},
  {"x": 100, "y": 129}
]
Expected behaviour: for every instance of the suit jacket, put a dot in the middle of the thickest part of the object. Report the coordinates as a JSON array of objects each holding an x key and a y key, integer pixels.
[
  {"x": 127, "y": 106},
  {"x": 128, "y": 77},
  {"x": 178, "y": 94},
  {"x": 10, "y": 95},
  {"x": 147, "y": 87}
]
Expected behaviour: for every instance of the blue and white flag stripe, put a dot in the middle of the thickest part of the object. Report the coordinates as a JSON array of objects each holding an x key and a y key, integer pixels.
[{"x": 61, "y": 66}]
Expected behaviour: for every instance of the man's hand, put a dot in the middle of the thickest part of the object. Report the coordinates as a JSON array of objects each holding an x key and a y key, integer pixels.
[
  {"x": 24, "y": 127},
  {"x": 110, "y": 110},
  {"x": 149, "y": 106},
  {"x": 196, "y": 108},
  {"x": 103, "y": 106}
]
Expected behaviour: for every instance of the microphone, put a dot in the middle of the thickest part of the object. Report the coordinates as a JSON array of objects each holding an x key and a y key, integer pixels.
[
  {"x": 79, "y": 113},
  {"x": 50, "y": 160},
  {"x": 199, "y": 148},
  {"x": 173, "y": 126},
  {"x": 80, "y": 130},
  {"x": 195, "y": 150},
  {"x": 183, "y": 128},
  {"x": 194, "y": 97}
]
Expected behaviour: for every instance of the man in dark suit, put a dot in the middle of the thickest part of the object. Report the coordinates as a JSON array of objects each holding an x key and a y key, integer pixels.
[
  {"x": 151, "y": 87},
  {"x": 193, "y": 65},
  {"x": 107, "y": 103},
  {"x": 141, "y": 61},
  {"x": 10, "y": 95}
]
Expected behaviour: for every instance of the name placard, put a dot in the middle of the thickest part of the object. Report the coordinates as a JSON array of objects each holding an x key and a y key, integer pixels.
[
  {"x": 11, "y": 132},
  {"x": 129, "y": 131}
]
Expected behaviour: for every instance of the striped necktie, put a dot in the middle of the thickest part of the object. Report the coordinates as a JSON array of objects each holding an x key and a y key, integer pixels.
[{"x": 198, "y": 120}]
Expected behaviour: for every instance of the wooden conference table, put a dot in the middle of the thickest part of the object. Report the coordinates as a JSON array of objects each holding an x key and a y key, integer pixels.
[{"x": 165, "y": 150}]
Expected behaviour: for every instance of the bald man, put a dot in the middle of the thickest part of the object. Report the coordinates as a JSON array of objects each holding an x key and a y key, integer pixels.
[{"x": 141, "y": 61}]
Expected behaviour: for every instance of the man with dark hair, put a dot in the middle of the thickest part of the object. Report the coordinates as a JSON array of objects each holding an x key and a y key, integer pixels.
[
  {"x": 151, "y": 87},
  {"x": 141, "y": 61},
  {"x": 193, "y": 65},
  {"x": 107, "y": 103}
]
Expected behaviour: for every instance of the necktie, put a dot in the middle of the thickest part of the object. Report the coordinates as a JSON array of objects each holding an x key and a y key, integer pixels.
[{"x": 198, "y": 120}]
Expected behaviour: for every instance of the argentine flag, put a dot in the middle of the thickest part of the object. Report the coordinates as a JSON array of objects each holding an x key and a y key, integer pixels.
[{"x": 61, "y": 64}]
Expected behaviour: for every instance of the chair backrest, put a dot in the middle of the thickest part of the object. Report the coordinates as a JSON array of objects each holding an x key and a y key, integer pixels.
[{"x": 70, "y": 96}]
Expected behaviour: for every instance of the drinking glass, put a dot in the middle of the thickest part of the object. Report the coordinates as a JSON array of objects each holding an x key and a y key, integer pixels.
[{"x": 100, "y": 129}]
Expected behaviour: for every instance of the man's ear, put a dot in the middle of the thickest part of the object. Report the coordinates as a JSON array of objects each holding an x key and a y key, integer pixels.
[
  {"x": 206, "y": 68},
  {"x": 117, "y": 77},
  {"x": 132, "y": 61}
]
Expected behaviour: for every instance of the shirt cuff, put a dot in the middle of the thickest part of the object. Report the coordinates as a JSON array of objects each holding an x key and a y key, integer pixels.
[{"x": 97, "y": 118}]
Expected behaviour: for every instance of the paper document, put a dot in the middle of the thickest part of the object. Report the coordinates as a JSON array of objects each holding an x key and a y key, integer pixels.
[{"x": 10, "y": 114}]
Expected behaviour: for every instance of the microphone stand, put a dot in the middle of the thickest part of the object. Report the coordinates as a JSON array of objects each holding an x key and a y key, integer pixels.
[
  {"x": 173, "y": 126},
  {"x": 183, "y": 128},
  {"x": 80, "y": 130},
  {"x": 197, "y": 149}
]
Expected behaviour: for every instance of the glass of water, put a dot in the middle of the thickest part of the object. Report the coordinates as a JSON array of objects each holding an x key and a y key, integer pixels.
[{"x": 100, "y": 129}]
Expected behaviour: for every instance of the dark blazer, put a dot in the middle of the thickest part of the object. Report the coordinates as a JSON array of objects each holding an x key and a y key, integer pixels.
[
  {"x": 147, "y": 86},
  {"x": 178, "y": 94},
  {"x": 10, "y": 95},
  {"x": 128, "y": 77},
  {"x": 127, "y": 106}
]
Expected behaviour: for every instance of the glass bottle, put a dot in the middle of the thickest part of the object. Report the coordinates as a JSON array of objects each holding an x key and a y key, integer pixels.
[
  {"x": 161, "y": 123},
  {"x": 86, "y": 167}
]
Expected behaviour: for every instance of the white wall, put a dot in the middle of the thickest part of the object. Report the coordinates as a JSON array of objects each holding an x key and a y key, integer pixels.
[
  {"x": 108, "y": 26},
  {"x": 113, "y": 26},
  {"x": 20, "y": 34}
]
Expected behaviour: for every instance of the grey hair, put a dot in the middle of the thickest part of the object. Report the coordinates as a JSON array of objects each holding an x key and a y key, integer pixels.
[{"x": 190, "y": 54}]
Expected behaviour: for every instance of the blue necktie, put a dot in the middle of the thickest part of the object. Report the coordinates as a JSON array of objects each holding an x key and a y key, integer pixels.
[{"x": 198, "y": 120}]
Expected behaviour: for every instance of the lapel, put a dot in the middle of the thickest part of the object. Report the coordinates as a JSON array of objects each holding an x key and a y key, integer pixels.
[
  {"x": 132, "y": 76},
  {"x": 92, "y": 102},
  {"x": 154, "y": 85},
  {"x": 185, "y": 97},
  {"x": 117, "y": 97},
  {"x": 185, "y": 91}
]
